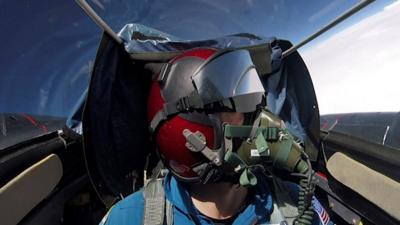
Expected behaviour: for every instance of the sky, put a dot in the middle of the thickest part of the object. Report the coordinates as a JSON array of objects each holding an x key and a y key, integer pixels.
[
  {"x": 46, "y": 71},
  {"x": 358, "y": 69}
]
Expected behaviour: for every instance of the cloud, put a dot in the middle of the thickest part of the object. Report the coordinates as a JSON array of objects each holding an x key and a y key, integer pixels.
[
  {"x": 326, "y": 10},
  {"x": 358, "y": 69}
]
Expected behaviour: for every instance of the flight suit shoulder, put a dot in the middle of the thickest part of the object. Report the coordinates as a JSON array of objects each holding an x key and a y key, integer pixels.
[{"x": 128, "y": 211}]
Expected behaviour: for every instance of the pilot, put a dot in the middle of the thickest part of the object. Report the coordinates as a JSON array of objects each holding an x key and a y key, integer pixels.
[{"x": 217, "y": 143}]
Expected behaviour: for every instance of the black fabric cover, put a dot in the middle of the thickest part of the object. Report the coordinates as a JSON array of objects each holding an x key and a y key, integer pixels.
[{"x": 114, "y": 121}]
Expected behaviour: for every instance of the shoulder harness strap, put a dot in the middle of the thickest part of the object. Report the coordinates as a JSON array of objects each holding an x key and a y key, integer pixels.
[{"x": 157, "y": 209}]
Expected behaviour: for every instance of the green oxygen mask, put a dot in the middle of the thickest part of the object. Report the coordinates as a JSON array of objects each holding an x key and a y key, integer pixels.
[{"x": 267, "y": 140}]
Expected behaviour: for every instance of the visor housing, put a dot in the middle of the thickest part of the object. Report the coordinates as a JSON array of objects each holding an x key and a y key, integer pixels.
[{"x": 230, "y": 80}]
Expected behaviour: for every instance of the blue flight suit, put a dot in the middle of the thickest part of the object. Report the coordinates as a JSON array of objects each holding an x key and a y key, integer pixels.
[{"x": 129, "y": 211}]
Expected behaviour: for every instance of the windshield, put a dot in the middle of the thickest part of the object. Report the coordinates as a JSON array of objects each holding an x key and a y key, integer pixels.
[
  {"x": 46, "y": 56},
  {"x": 355, "y": 75},
  {"x": 206, "y": 19},
  {"x": 48, "y": 49}
]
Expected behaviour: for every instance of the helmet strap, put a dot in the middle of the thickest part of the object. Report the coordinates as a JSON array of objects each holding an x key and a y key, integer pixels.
[
  {"x": 185, "y": 104},
  {"x": 196, "y": 142}
]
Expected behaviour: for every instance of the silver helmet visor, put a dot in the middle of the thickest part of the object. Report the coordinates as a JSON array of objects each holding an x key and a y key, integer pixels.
[{"x": 229, "y": 80}]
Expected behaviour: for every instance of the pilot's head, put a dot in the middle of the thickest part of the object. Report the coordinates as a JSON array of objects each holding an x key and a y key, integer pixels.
[{"x": 196, "y": 94}]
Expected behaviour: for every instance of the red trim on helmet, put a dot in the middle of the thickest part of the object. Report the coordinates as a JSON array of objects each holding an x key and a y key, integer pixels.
[
  {"x": 203, "y": 53},
  {"x": 171, "y": 143},
  {"x": 169, "y": 136}
]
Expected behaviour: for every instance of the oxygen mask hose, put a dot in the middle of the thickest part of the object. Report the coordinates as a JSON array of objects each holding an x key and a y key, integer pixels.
[
  {"x": 306, "y": 193},
  {"x": 290, "y": 155}
]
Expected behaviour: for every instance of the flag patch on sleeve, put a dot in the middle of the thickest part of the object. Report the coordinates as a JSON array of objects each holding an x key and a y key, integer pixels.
[{"x": 322, "y": 214}]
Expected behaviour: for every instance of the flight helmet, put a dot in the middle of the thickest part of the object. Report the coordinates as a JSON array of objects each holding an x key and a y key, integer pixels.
[{"x": 185, "y": 98}]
